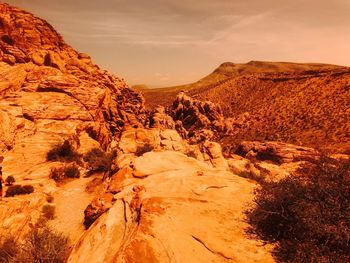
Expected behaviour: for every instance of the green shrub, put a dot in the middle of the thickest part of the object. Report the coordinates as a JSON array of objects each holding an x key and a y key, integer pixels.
[
  {"x": 99, "y": 160},
  {"x": 10, "y": 180},
  {"x": 307, "y": 216},
  {"x": 19, "y": 190},
  {"x": 68, "y": 171},
  {"x": 63, "y": 152}
]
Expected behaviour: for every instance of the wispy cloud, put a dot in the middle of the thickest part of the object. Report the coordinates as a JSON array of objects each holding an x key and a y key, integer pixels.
[{"x": 187, "y": 38}]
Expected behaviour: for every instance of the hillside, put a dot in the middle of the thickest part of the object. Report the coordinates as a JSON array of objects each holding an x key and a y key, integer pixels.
[
  {"x": 224, "y": 72},
  {"x": 304, "y": 104}
]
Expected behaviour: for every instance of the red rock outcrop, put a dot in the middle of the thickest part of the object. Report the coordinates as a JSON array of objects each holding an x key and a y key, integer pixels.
[
  {"x": 277, "y": 152},
  {"x": 49, "y": 92}
]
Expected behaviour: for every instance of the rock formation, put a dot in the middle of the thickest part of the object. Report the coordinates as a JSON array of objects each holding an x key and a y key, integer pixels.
[
  {"x": 48, "y": 93},
  {"x": 169, "y": 207}
]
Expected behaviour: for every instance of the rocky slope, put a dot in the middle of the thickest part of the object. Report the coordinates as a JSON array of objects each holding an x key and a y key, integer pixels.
[
  {"x": 308, "y": 106},
  {"x": 226, "y": 71},
  {"x": 49, "y": 93}
]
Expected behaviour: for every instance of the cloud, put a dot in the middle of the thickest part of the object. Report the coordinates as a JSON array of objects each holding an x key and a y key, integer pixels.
[{"x": 188, "y": 38}]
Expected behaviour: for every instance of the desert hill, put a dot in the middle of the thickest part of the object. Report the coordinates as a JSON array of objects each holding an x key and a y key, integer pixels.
[
  {"x": 305, "y": 104},
  {"x": 226, "y": 71}
]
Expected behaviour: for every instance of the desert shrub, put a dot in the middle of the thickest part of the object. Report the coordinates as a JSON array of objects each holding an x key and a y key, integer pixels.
[
  {"x": 10, "y": 180},
  {"x": 50, "y": 198},
  {"x": 144, "y": 149},
  {"x": 67, "y": 171},
  {"x": 8, "y": 250},
  {"x": 40, "y": 245},
  {"x": 99, "y": 160},
  {"x": 191, "y": 154},
  {"x": 19, "y": 190},
  {"x": 49, "y": 211},
  {"x": 63, "y": 152},
  {"x": 308, "y": 216}
]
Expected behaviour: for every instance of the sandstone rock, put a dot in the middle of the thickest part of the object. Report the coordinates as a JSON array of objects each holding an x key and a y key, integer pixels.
[
  {"x": 277, "y": 152},
  {"x": 195, "y": 114},
  {"x": 52, "y": 93},
  {"x": 182, "y": 210},
  {"x": 18, "y": 214},
  {"x": 159, "y": 119},
  {"x": 244, "y": 168}
]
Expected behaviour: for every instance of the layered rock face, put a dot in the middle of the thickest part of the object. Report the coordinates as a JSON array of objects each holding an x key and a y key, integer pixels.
[{"x": 50, "y": 92}]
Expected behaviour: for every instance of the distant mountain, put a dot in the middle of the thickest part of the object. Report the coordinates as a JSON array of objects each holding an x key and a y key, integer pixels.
[
  {"x": 305, "y": 104},
  {"x": 224, "y": 72}
]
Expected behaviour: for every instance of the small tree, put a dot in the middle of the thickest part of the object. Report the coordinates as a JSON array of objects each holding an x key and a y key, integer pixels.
[{"x": 10, "y": 180}]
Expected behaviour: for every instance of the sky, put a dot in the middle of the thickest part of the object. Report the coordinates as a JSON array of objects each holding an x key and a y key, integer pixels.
[{"x": 169, "y": 42}]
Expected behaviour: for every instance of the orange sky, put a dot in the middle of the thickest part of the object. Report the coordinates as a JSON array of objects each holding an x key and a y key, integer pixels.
[{"x": 166, "y": 42}]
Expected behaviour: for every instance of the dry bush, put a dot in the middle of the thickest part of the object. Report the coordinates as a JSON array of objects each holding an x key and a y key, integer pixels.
[
  {"x": 66, "y": 171},
  {"x": 10, "y": 180},
  {"x": 50, "y": 198},
  {"x": 98, "y": 160},
  {"x": 63, "y": 152},
  {"x": 141, "y": 150},
  {"x": 49, "y": 211},
  {"x": 40, "y": 245},
  {"x": 308, "y": 217},
  {"x": 19, "y": 190},
  {"x": 8, "y": 250}
]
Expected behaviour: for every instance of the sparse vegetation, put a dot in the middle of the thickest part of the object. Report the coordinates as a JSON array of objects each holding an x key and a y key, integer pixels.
[
  {"x": 49, "y": 198},
  {"x": 19, "y": 190},
  {"x": 98, "y": 160},
  {"x": 49, "y": 211},
  {"x": 67, "y": 171},
  {"x": 306, "y": 216},
  {"x": 40, "y": 245},
  {"x": 191, "y": 153},
  {"x": 10, "y": 180},
  {"x": 8, "y": 250},
  {"x": 63, "y": 153},
  {"x": 141, "y": 150}
]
